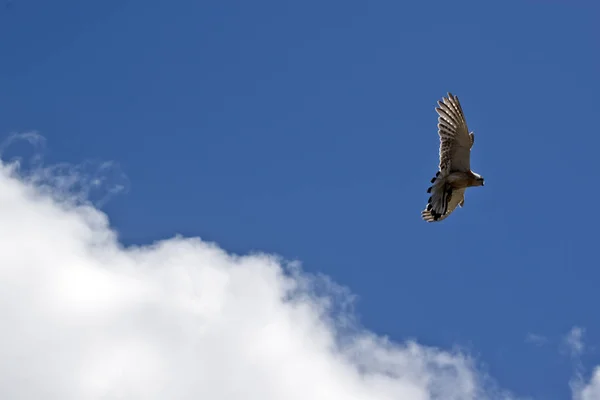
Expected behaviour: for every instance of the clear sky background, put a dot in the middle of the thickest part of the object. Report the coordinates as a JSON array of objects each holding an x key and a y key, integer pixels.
[{"x": 307, "y": 129}]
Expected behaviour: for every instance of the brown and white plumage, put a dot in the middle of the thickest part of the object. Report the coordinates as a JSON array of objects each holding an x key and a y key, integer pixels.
[
  {"x": 454, "y": 174},
  {"x": 456, "y": 198}
]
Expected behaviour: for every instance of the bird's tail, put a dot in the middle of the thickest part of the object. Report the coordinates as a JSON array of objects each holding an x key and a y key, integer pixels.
[{"x": 437, "y": 205}]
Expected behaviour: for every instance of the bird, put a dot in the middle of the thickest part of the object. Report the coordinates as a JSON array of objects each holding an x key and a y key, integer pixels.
[{"x": 454, "y": 173}]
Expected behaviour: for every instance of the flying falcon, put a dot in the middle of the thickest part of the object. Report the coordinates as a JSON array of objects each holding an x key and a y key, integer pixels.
[{"x": 454, "y": 175}]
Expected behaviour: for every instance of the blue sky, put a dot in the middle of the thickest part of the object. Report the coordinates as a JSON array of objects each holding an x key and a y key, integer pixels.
[{"x": 308, "y": 129}]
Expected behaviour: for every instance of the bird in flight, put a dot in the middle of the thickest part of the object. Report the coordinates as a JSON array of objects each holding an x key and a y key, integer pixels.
[{"x": 454, "y": 175}]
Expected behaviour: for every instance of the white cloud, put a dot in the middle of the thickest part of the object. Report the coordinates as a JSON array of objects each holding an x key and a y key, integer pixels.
[
  {"x": 85, "y": 318},
  {"x": 535, "y": 339},
  {"x": 574, "y": 341},
  {"x": 591, "y": 391},
  {"x": 580, "y": 389}
]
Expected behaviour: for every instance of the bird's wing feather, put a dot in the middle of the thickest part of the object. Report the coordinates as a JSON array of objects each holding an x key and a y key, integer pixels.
[
  {"x": 455, "y": 141},
  {"x": 456, "y": 197}
]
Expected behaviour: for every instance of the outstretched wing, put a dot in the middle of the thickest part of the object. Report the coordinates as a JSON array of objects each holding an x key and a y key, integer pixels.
[
  {"x": 455, "y": 141},
  {"x": 455, "y": 198}
]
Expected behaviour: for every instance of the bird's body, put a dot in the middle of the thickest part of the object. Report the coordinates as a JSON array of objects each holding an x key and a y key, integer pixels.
[
  {"x": 462, "y": 180},
  {"x": 454, "y": 175}
]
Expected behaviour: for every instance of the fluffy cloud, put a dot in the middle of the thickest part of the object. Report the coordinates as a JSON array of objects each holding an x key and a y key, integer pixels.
[
  {"x": 85, "y": 318},
  {"x": 576, "y": 347},
  {"x": 591, "y": 391}
]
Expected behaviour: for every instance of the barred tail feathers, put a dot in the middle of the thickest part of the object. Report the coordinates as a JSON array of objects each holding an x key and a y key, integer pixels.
[{"x": 437, "y": 205}]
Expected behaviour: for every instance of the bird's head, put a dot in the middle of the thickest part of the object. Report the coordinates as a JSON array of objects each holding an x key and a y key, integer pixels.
[{"x": 478, "y": 181}]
